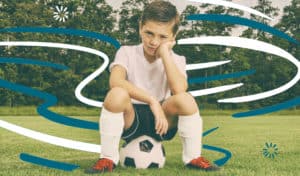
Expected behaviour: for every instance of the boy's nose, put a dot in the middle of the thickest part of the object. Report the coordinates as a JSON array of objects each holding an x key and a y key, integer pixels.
[{"x": 155, "y": 42}]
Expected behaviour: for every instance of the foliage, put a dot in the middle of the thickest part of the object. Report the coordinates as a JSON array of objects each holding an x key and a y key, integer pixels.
[{"x": 122, "y": 24}]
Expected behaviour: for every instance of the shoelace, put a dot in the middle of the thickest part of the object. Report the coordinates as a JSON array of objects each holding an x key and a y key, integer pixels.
[
  {"x": 103, "y": 164},
  {"x": 202, "y": 162}
]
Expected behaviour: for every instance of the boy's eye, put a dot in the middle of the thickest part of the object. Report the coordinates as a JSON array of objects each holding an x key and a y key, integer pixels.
[{"x": 149, "y": 33}]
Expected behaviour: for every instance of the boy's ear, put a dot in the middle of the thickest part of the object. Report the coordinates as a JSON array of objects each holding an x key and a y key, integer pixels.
[
  {"x": 140, "y": 27},
  {"x": 174, "y": 36}
]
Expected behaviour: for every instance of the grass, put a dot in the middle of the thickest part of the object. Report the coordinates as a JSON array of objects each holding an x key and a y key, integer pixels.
[
  {"x": 91, "y": 111},
  {"x": 245, "y": 138},
  {"x": 32, "y": 110}
]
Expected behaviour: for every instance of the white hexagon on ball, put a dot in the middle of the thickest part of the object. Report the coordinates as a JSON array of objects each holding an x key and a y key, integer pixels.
[{"x": 142, "y": 153}]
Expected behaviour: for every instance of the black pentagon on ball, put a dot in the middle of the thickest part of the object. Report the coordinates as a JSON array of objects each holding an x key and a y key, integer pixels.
[
  {"x": 146, "y": 146},
  {"x": 153, "y": 165},
  {"x": 129, "y": 162}
]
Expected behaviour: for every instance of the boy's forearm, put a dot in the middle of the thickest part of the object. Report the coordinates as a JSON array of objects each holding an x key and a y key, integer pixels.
[
  {"x": 176, "y": 80},
  {"x": 135, "y": 92}
]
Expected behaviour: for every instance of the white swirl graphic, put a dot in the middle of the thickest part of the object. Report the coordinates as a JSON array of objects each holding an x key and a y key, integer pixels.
[
  {"x": 254, "y": 45},
  {"x": 88, "y": 79},
  {"x": 233, "y": 5}
]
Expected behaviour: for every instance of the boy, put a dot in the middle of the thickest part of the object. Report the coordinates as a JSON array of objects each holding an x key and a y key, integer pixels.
[{"x": 148, "y": 93}]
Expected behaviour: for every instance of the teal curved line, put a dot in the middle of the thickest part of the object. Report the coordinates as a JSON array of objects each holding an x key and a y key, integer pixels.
[
  {"x": 221, "y": 77},
  {"x": 46, "y": 162},
  {"x": 209, "y": 131},
  {"x": 75, "y": 32},
  {"x": 221, "y": 161},
  {"x": 242, "y": 21},
  {"x": 32, "y": 62},
  {"x": 50, "y": 101},
  {"x": 269, "y": 109}
]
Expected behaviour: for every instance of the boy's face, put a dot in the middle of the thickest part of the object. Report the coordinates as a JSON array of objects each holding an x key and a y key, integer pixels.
[{"x": 153, "y": 34}]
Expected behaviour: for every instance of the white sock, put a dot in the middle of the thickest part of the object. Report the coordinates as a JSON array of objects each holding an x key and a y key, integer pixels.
[
  {"x": 111, "y": 128},
  {"x": 190, "y": 131}
]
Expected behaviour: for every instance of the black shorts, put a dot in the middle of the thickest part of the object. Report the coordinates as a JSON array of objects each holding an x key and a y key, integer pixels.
[{"x": 144, "y": 124}]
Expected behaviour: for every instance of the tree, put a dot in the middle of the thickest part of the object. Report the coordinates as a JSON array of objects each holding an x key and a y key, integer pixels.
[
  {"x": 10, "y": 74},
  {"x": 95, "y": 15},
  {"x": 264, "y": 78},
  {"x": 130, "y": 13},
  {"x": 289, "y": 23},
  {"x": 205, "y": 53}
]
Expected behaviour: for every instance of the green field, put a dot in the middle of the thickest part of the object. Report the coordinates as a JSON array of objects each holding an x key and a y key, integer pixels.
[{"x": 245, "y": 138}]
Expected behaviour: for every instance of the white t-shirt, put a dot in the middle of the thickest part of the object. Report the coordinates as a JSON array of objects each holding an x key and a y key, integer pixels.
[{"x": 150, "y": 77}]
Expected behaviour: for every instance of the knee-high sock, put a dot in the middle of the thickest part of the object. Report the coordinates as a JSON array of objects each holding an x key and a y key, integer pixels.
[
  {"x": 190, "y": 131},
  {"x": 111, "y": 127}
]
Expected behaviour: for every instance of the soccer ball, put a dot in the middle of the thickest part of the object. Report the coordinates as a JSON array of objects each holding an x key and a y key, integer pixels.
[{"x": 143, "y": 152}]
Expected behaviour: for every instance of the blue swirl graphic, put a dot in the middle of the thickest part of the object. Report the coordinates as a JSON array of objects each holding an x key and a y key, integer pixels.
[
  {"x": 220, "y": 77},
  {"x": 75, "y": 32},
  {"x": 50, "y": 100},
  {"x": 48, "y": 163},
  {"x": 242, "y": 21},
  {"x": 209, "y": 131},
  {"x": 221, "y": 161},
  {"x": 32, "y": 62},
  {"x": 269, "y": 109}
]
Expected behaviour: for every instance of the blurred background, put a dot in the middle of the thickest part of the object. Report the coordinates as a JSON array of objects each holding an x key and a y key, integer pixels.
[{"x": 119, "y": 20}]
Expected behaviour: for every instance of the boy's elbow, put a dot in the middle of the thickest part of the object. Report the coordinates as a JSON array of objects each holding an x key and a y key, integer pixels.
[
  {"x": 176, "y": 92},
  {"x": 116, "y": 83},
  {"x": 180, "y": 88},
  {"x": 113, "y": 84}
]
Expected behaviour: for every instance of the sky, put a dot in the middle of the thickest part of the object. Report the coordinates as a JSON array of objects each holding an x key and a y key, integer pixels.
[{"x": 181, "y": 4}]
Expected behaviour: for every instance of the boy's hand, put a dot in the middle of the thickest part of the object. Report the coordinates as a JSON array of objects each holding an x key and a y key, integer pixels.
[
  {"x": 161, "y": 123},
  {"x": 165, "y": 48}
]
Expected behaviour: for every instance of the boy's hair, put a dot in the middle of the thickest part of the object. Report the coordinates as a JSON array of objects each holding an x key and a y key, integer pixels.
[{"x": 161, "y": 11}]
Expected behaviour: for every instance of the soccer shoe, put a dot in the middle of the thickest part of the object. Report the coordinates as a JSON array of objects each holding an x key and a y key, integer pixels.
[
  {"x": 101, "y": 166},
  {"x": 202, "y": 164}
]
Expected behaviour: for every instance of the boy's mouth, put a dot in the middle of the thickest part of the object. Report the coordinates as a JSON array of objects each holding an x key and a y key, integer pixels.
[{"x": 152, "y": 49}]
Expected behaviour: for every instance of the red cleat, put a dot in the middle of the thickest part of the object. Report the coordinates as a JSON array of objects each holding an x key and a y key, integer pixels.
[
  {"x": 202, "y": 164},
  {"x": 101, "y": 166}
]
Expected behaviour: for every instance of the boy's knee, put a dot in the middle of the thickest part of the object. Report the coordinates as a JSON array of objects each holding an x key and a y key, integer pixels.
[
  {"x": 184, "y": 97},
  {"x": 186, "y": 102},
  {"x": 116, "y": 99}
]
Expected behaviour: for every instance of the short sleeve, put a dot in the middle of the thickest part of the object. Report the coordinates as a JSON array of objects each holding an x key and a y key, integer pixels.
[
  {"x": 181, "y": 64},
  {"x": 121, "y": 58}
]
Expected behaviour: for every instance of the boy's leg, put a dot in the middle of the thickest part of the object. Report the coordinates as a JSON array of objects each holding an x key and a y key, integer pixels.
[
  {"x": 189, "y": 128},
  {"x": 117, "y": 113},
  {"x": 189, "y": 123}
]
